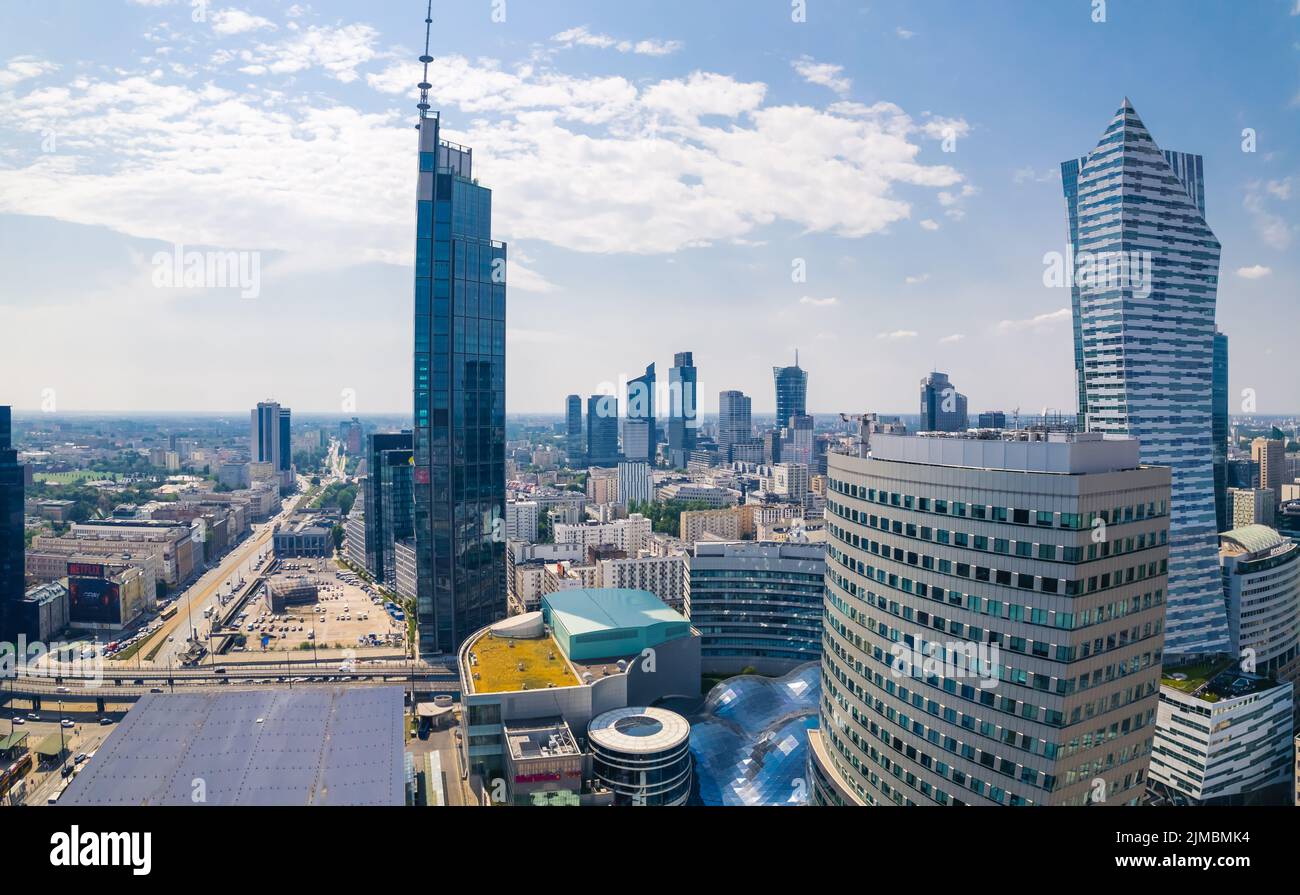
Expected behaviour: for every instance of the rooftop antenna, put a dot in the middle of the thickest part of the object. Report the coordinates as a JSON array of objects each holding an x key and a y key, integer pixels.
[{"x": 424, "y": 84}]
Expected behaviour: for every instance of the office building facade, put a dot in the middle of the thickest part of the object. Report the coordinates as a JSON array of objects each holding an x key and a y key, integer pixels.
[
  {"x": 573, "y": 439},
  {"x": 1143, "y": 301},
  {"x": 756, "y": 605},
  {"x": 980, "y": 647},
  {"x": 640, "y": 431},
  {"x": 602, "y": 430},
  {"x": 389, "y": 501},
  {"x": 12, "y": 562},
  {"x": 635, "y": 482},
  {"x": 943, "y": 408},
  {"x": 1223, "y": 737},
  {"x": 791, "y": 392},
  {"x": 270, "y": 440},
  {"x": 459, "y": 385},
  {"x": 735, "y": 421},
  {"x": 1221, "y": 432},
  {"x": 683, "y": 383},
  {"x": 1261, "y": 583}
]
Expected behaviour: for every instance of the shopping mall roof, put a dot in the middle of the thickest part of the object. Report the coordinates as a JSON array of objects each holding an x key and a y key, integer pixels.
[
  {"x": 317, "y": 746},
  {"x": 584, "y": 610}
]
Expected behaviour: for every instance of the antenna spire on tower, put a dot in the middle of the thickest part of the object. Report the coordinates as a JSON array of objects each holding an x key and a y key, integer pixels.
[{"x": 424, "y": 84}]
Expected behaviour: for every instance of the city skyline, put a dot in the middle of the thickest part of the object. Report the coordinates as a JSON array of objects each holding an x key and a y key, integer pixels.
[{"x": 907, "y": 271}]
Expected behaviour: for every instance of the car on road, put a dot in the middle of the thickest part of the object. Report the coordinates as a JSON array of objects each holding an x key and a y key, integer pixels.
[
  {"x": 105, "y": 720},
  {"x": 18, "y": 720},
  {"x": 151, "y": 690},
  {"x": 218, "y": 671},
  {"x": 32, "y": 716},
  {"x": 81, "y": 756},
  {"x": 64, "y": 690},
  {"x": 66, "y": 722}
]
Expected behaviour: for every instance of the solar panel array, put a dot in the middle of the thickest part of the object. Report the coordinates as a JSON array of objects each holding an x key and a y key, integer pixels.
[{"x": 314, "y": 746}]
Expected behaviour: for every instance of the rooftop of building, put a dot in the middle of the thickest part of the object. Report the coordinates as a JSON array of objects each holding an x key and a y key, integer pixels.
[
  {"x": 639, "y": 730},
  {"x": 589, "y": 610},
  {"x": 1061, "y": 453},
  {"x": 540, "y": 738},
  {"x": 1252, "y": 540},
  {"x": 334, "y": 746},
  {"x": 1215, "y": 680},
  {"x": 506, "y": 664}
]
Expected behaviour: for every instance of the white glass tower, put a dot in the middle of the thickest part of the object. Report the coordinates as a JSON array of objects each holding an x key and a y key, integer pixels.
[{"x": 1145, "y": 269}]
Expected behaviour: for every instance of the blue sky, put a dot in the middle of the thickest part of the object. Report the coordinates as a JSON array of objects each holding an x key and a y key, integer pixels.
[{"x": 659, "y": 169}]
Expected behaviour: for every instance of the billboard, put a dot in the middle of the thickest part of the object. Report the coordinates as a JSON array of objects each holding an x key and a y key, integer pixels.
[{"x": 94, "y": 601}]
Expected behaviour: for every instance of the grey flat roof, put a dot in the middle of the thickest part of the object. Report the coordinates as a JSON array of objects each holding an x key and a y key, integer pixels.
[{"x": 334, "y": 746}]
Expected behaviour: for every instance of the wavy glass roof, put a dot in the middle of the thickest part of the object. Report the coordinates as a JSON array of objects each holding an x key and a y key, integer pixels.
[{"x": 750, "y": 739}]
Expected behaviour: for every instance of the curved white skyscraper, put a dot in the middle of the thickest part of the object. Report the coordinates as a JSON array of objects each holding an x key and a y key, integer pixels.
[{"x": 1145, "y": 271}]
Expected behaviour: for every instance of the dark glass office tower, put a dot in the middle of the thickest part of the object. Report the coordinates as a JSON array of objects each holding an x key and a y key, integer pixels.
[
  {"x": 602, "y": 430},
  {"x": 285, "y": 454},
  {"x": 791, "y": 392},
  {"x": 1219, "y": 424},
  {"x": 734, "y": 418},
  {"x": 573, "y": 428},
  {"x": 640, "y": 433},
  {"x": 388, "y": 501},
  {"x": 460, "y": 380},
  {"x": 943, "y": 408},
  {"x": 683, "y": 379},
  {"x": 12, "y": 558}
]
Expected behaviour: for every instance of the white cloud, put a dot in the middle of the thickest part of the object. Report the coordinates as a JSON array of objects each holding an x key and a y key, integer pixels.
[
  {"x": 898, "y": 335},
  {"x": 592, "y": 164},
  {"x": 237, "y": 21},
  {"x": 1028, "y": 174},
  {"x": 1271, "y": 227},
  {"x": 929, "y": 224},
  {"x": 823, "y": 74},
  {"x": 583, "y": 37},
  {"x": 952, "y": 339},
  {"x": 1254, "y": 272},
  {"x": 1041, "y": 320},
  {"x": 21, "y": 68},
  {"x": 818, "y": 302},
  {"x": 904, "y": 33},
  {"x": 918, "y": 278},
  {"x": 338, "y": 51}
]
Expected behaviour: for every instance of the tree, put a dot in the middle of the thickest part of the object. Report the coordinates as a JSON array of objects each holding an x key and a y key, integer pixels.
[{"x": 337, "y": 532}]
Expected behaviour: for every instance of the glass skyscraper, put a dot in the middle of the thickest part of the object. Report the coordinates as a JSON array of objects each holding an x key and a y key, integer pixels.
[
  {"x": 943, "y": 408},
  {"x": 388, "y": 501},
  {"x": 640, "y": 432},
  {"x": 12, "y": 559},
  {"x": 460, "y": 377},
  {"x": 1220, "y": 430},
  {"x": 735, "y": 424},
  {"x": 573, "y": 427},
  {"x": 791, "y": 392},
  {"x": 1145, "y": 280},
  {"x": 683, "y": 380},
  {"x": 270, "y": 440},
  {"x": 602, "y": 430}
]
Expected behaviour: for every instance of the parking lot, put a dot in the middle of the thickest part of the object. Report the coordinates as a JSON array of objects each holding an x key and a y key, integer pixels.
[{"x": 347, "y": 614}]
